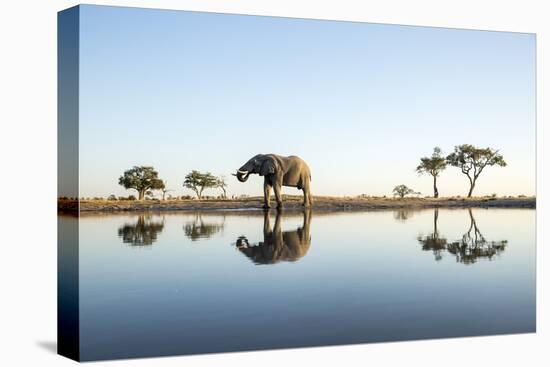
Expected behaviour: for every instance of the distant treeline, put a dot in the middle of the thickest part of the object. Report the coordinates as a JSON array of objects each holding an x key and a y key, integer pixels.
[
  {"x": 471, "y": 161},
  {"x": 145, "y": 180}
]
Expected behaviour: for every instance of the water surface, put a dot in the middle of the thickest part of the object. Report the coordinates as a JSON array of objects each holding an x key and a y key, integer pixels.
[{"x": 192, "y": 282}]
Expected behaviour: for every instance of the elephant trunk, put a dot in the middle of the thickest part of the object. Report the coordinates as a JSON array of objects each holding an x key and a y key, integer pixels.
[{"x": 242, "y": 176}]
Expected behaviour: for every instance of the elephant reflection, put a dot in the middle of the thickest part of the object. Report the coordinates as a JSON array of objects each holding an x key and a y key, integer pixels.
[
  {"x": 198, "y": 229},
  {"x": 141, "y": 233},
  {"x": 471, "y": 248},
  {"x": 278, "y": 245},
  {"x": 434, "y": 242}
]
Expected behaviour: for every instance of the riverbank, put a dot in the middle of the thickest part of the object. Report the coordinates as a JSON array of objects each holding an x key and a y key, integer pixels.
[{"x": 294, "y": 203}]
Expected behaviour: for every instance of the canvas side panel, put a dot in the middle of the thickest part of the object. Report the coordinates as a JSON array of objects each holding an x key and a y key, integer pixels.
[{"x": 67, "y": 171}]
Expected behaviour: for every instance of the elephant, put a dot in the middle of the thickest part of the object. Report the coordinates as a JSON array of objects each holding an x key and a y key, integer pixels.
[
  {"x": 277, "y": 245},
  {"x": 278, "y": 171}
]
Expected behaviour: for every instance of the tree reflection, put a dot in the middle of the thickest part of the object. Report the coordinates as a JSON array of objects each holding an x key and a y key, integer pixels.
[
  {"x": 141, "y": 233},
  {"x": 402, "y": 214},
  {"x": 434, "y": 242},
  {"x": 198, "y": 229},
  {"x": 469, "y": 249},
  {"x": 278, "y": 245},
  {"x": 473, "y": 246}
]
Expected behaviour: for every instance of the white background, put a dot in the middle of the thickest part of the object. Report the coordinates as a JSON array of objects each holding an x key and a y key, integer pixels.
[{"x": 28, "y": 182}]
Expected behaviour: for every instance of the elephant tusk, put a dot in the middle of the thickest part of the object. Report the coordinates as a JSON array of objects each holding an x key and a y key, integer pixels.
[{"x": 242, "y": 172}]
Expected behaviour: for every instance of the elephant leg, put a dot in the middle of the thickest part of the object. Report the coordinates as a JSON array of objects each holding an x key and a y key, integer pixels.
[
  {"x": 307, "y": 196},
  {"x": 278, "y": 241},
  {"x": 267, "y": 195},
  {"x": 278, "y": 196},
  {"x": 267, "y": 224}
]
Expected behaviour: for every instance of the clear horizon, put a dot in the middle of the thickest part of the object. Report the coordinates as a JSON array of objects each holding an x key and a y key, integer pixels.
[{"x": 360, "y": 103}]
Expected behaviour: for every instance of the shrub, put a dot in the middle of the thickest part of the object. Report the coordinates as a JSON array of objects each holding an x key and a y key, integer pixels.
[
  {"x": 402, "y": 191},
  {"x": 112, "y": 198}
]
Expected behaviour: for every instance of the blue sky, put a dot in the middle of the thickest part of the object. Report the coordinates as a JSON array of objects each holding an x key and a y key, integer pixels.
[{"x": 360, "y": 102}]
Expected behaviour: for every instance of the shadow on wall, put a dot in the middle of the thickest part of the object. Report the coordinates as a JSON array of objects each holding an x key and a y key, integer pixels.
[{"x": 48, "y": 345}]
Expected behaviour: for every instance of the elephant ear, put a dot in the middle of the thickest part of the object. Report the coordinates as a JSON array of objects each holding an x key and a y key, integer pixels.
[{"x": 268, "y": 167}]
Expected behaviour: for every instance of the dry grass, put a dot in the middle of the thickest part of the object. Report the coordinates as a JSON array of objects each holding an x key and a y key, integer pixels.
[{"x": 322, "y": 203}]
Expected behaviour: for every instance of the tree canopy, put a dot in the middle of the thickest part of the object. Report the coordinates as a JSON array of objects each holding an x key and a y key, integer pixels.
[
  {"x": 472, "y": 161},
  {"x": 141, "y": 179},
  {"x": 402, "y": 191},
  {"x": 198, "y": 182},
  {"x": 433, "y": 165}
]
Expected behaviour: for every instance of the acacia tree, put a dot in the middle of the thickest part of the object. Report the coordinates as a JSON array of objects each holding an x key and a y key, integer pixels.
[
  {"x": 433, "y": 165},
  {"x": 402, "y": 191},
  {"x": 141, "y": 179},
  {"x": 165, "y": 190},
  {"x": 472, "y": 161},
  {"x": 222, "y": 184},
  {"x": 198, "y": 181}
]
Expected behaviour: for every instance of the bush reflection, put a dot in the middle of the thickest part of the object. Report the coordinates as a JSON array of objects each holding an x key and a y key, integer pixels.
[
  {"x": 199, "y": 229},
  {"x": 143, "y": 232}
]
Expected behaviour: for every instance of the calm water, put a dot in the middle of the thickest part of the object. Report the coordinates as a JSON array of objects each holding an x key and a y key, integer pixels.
[{"x": 213, "y": 281}]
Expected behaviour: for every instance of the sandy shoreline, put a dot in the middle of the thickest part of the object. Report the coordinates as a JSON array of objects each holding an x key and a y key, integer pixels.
[{"x": 320, "y": 204}]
